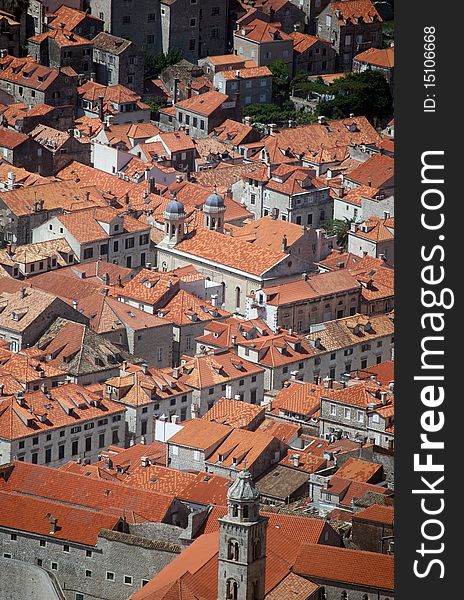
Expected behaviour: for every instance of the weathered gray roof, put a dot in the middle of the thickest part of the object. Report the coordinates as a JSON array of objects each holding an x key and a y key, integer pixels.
[{"x": 110, "y": 43}]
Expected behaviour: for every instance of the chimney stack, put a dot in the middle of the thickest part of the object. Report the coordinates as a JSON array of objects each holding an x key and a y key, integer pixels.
[
  {"x": 53, "y": 522},
  {"x": 100, "y": 108}
]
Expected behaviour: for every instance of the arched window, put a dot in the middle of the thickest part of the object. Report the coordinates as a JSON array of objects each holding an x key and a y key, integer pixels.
[
  {"x": 232, "y": 550},
  {"x": 235, "y": 510},
  {"x": 164, "y": 266},
  {"x": 254, "y": 591},
  {"x": 245, "y": 511},
  {"x": 365, "y": 597},
  {"x": 231, "y": 589},
  {"x": 256, "y": 549},
  {"x": 344, "y": 596},
  {"x": 237, "y": 297}
]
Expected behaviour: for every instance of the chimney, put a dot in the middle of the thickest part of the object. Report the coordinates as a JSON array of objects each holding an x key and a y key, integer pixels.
[
  {"x": 145, "y": 461},
  {"x": 214, "y": 299},
  {"x": 189, "y": 90},
  {"x": 93, "y": 77},
  {"x": 176, "y": 90},
  {"x": 3, "y": 53},
  {"x": 296, "y": 460},
  {"x": 195, "y": 411},
  {"x": 284, "y": 243},
  {"x": 304, "y": 276},
  {"x": 53, "y": 522},
  {"x": 321, "y": 120},
  {"x": 9, "y": 250},
  {"x": 328, "y": 383},
  {"x": 247, "y": 121},
  {"x": 316, "y": 379},
  {"x": 174, "y": 419},
  {"x": 105, "y": 291},
  {"x": 106, "y": 279},
  {"x": 1, "y": 389},
  {"x": 353, "y": 227},
  {"x": 237, "y": 397},
  {"x": 237, "y": 73},
  {"x": 294, "y": 375},
  {"x": 228, "y": 391},
  {"x": 234, "y": 340},
  {"x": 11, "y": 182},
  {"x": 100, "y": 108},
  {"x": 75, "y": 304},
  {"x": 22, "y": 293},
  {"x": 144, "y": 368},
  {"x": 383, "y": 397},
  {"x": 272, "y": 128}
]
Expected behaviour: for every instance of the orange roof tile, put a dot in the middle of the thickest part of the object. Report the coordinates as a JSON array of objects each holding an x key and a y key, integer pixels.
[
  {"x": 377, "y": 171},
  {"x": 377, "y": 513},
  {"x": 355, "y": 11},
  {"x": 235, "y": 413},
  {"x": 201, "y": 434},
  {"x": 357, "y": 567},
  {"x": 384, "y": 57},
  {"x": 359, "y": 470},
  {"x": 203, "y": 104},
  {"x": 29, "y": 73}
]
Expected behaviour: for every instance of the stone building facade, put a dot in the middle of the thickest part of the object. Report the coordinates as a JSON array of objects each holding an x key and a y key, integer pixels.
[{"x": 117, "y": 60}]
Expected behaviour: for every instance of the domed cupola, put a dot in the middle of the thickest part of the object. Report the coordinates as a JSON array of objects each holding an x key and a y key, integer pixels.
[
  {"x": 214, "y": 209},
  {"x": 174, "y": 218}
]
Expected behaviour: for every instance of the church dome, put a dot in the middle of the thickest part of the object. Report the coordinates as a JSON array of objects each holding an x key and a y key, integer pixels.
[
  {"x": 215, "y": 201},
  {"x": 175, "y": 207},
  {"x": 243, "y": 489}
]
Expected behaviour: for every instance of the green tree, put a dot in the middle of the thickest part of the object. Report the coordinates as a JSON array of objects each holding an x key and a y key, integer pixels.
[
  {"x": 366, "y": 93},
  {"x": 155, "y": 104},
  {"x": 280, "y": 80},
  {"x": 154, "y": 65},
  {"x": 340, "y": 228}
]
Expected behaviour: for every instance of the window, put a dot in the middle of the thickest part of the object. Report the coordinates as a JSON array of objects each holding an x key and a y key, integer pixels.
[
  {"x": 196, "y": 455},
  {"x": 360, "y": 417},
  {"x": 285, "y": 370},
  {"x": 143, "y": 428},
  {"x": 88, "y": 253},
  {"x": 129, "y": 243},
  {"x": 127, "y": 580},
  {"x": 35, "y": 441},
  {"x": 42, "y": 543},
  {"x": 79, "y": 596},
  {"x": 88, "y": 444},
  {"x": 109, "y": 576},
  {"x": 34, "y": 458},
  {"x": 348, "y": 352},
  {"x": 215, "y": 11},
  {"x": 21, "y": 445},
  {"x": 347, "y": 413},
  {"x": 192, "y": 44},
  {"x": 333, "y": 409},
  {"x": 88, "y": 553},
  {"x": 116, "y": 246},
  {"x": 172, "y": 402},
  {"x": 74, "y": 447},
  {"x": 193, "y": 22},
  {"x": 54, "y": 566},
  {"x": 88, "y": 573},
  {"x": 115, "y": 437},
  {"x": 13, "y": 537},
  {"x": 253, "y": 378},
  {"x": 126, "y": 19},
  {"x": 151, "y": 17},
  {"x": 211, "y": 391}
]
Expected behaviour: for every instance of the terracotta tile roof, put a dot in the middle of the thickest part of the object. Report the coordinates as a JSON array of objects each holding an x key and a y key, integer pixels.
[
  {"x": 377, "y": 513},
  {"x": 185, "y": 308},
  {"x": 320, "y": 285},
  {"x": 152, "y": 287},
  {"x": 377, "y": 171},
  {"x": 201, "y": 434},
  {"x": 65, "y": 195},
  {"x": 262, "y": 32},
  {"x": 269, "y": 233},
  {"x": 348, "y": 490},
  {"x": 206, "y": 370},
  {"x": 221, "y": 333},
  {"x": 293, "y": 587},
  {"x": 51, "y": 138},
  {"x": 26, "y": 369},
  {"x": 241, "y": 448},
  {"x": 110, "y": 43},
  {"x": 384, "y": 57},
  {"x": 62, "y": 37},
  {"x": 304, "y": 461},
  {"x": 76, "y": 349},
  {"x": 225, "y": 59},
  {"x": 71, "y": 16},
  {"x": 28, "y": 480},
  {"x": 203, "y": 104},
  {"x": 298, "y": 398},
  {"x": 355, "y": 11},
  {"x": 27, "y": 72},
  {"x": 377, "y": 279},
  {"x": 84, "y": 225},
  {"x": 384, "y": 372},
  {"x": 137, "y": 388},
  {"x": 320, "y": 142},
  {"x": 355, "y": 195},
  {"x": 232, "y": 132},
  {"x": 279, "y": 429},
  {"x": 303, "y": 41},
  {"x": 231, "y": 252},
  {"x": 341, "y": 333},
  {"x": 113, "y": 96},
  {"x": 176, "y": 141},
  {"x": 11, "y": 139},
  {"x": 280, "y": 349},
  {"x": 68, "y": 404},
  {"x": 73, "y": 524},
  {"x": 19, "y": 309},
  {"x": 25, "y": 178},
  {"x": 235, "y": 413},
  {"x": 360, "y": 394},
  {"x": 375, "y": 229},
  {"x": 359, "y": 470},
  {"x": 338, "y": 259},
  {"x": 357, "y": 567},
  {"x": 88, "y": 127},
  {"x": 206, "y": 488},
  {"x": 247, "y": 73}
]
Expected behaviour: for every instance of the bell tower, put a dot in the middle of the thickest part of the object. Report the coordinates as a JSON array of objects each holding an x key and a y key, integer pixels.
[
  {"x": 174, "y": 219},
  {"x": 242, "y": 543},
  {"x": 213, "y": 210}
]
